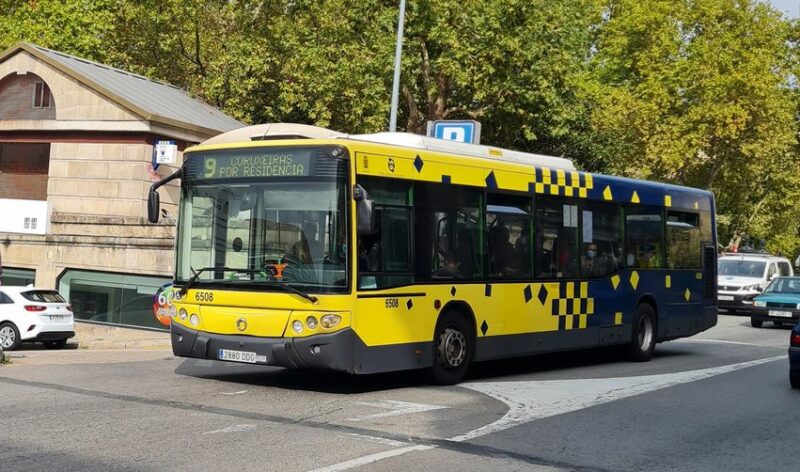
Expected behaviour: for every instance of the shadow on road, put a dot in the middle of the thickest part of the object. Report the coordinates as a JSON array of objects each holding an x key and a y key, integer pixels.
[{"x": 341, "y": 383}]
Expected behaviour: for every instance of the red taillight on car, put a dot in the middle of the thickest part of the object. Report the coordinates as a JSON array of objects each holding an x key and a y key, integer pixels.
[
  {"x": 35, "y": 308},
  {"x": 69, "y": 308},
  {"x": 794, "y": 340}
]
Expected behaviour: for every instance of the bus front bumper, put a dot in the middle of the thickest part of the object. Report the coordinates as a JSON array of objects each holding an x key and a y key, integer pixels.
[{"x": 334, "y": 351}]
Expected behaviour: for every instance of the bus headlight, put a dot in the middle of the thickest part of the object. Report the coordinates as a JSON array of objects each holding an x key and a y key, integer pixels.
[
  {"x": 182, "y": 314},
  {"x": 297, "y": 326},
  {"x": 194, "y": 320},
  {"x": 329, "y": 321},
  {"x": 311, "y": 322}
]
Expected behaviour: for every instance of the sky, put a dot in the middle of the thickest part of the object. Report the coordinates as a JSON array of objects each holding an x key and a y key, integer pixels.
[{"x": 789, "y": 7}]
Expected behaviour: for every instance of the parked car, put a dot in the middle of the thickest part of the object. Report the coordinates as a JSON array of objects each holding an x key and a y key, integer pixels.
[
  {"x": 794, "y": 357},
  {"x": 780, "y": 303},
  {"x": 743, "y": 276},
  {"x": 34, "y": 315}
]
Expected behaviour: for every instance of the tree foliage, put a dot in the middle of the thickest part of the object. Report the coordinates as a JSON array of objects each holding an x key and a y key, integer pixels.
[{"x": 694, "y": 92}]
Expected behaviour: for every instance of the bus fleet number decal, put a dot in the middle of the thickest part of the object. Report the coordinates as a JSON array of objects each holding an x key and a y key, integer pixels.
[
  {"x": 392, "y": 302},
  {"x": 204, "y": 297}
]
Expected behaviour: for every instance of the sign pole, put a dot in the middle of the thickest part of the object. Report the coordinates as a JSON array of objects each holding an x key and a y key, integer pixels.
[{"x": 397, "y": 55}]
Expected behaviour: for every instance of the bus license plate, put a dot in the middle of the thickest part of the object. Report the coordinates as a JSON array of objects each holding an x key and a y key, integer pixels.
[
  {"x": 247, "y": 357},
  {"x": 782, "y": 314}
]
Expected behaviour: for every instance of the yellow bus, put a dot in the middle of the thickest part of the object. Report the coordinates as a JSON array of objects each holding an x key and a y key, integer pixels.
[{"x": 306, "y": 248}]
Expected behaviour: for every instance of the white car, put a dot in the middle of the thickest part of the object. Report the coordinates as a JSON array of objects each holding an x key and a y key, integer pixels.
[
  {"x": 34, "y": 315},
  {"x": 740, "y": 277}
]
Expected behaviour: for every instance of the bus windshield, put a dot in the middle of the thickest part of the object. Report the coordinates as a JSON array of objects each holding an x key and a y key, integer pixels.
[{"x": 260, "y": 230}]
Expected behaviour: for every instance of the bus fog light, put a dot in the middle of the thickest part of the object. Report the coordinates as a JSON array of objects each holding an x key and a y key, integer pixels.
[
  {"x": 316, "y": 350},
  {"x": 329, "y": 321},
  {"x": 311, "y": 322},
  {"x": 182, "y": 314},
  {"x": 194, "y": 320},
  {"x": 297, "y": 326}
]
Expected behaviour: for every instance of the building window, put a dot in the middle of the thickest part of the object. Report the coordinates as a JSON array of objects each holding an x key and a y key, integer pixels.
[
  {"x": 41, "y": 96},
  {"x": 12, "y": 277},
  {"x": 120, "y": 299}
]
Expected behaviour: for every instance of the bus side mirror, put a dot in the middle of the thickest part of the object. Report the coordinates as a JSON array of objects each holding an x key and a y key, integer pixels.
[
  {"x": 365, "y": 211},
  {"x": 153, "y": 206}
]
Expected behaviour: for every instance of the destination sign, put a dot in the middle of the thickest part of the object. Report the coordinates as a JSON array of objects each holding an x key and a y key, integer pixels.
[{"x": 254, "y": 163}]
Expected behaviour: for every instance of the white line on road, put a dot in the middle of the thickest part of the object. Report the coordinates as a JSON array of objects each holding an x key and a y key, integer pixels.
[
  {"x": 395, "y": 407},
  {"x": 537, "y": 399},
  {"x": 359, "y": 461},
  {"x": 725, "y": 341},
  {"x": 238, "y": 428}
]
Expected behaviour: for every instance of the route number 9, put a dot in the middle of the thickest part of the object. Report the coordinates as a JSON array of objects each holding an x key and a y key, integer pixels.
[{"x": 211, "y": 167}]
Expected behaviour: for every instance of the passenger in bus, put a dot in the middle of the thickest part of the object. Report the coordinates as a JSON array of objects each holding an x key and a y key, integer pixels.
[
  {"x": 594, "y": 263},
  {"x": 465, "y": 254},
  {"x": 502, "y": 251}
]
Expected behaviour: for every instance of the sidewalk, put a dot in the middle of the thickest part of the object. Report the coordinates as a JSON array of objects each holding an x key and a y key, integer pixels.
[
  {"x": 97, "y": 344},
  {"x": 94, "y": 337}
]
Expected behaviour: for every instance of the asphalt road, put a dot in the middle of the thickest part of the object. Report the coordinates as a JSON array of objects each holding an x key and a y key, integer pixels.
[{"x": 719, "y": 401}]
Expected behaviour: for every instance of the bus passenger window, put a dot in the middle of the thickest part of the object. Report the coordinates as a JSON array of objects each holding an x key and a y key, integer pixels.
[
  {"x": 447, "y": 239},
  {"x": 601, "y": 236},
  {"x": 644, "y": 228},
  {"x": 684, "y": 241},
  {"x": 508, "y": 236},
  {"x": 556, "y": 238}
]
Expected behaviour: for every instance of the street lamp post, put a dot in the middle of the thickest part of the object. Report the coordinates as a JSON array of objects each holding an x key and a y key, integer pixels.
[{"x": 398, "y": 53}]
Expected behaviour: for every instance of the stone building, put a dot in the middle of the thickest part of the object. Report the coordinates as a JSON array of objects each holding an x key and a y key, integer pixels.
[{"x": 77, "y": 143}]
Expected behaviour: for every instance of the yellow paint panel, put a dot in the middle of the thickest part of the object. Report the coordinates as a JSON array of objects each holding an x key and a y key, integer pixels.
[
  {"x": 615, "y": 281},
  {"x": 583, "y": 193},
  {"x": 589, "y": 181},
  {"x": 584, "y": 289},
  {"x": 667, "y": 201},
  {"x": 634, "y": 279},
  {"x": 635, "y": 197},
  {"x": 583, "y": 321},
  {"x": 539, "y": 188},
  {"x": 607, "y": 193},
  {"x": 687, "y": 294},
  {"x": 512, "y": 180},
  {"x": 546, "y": 177},
  {"x": 618, "y": 318},
  {"x": 561, "y": 176},
  {"x": 668, "y": 281},
  {"x": 570, "y": 290},
  {"x": 698, "y": 275},
  {"x": 590, "y": 306}
]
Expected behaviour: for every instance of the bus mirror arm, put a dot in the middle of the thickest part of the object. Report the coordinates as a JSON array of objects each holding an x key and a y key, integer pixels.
[
  {"x": 154, "y": 201},
  {"x": 365, "y": 211}
]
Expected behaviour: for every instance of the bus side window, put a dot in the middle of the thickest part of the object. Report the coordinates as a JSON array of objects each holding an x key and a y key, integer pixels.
[
  {"x": 601, "y": 235},
  {"x": 448, "y": 240},
  {"x": 644, "y": 230},
  {"x": 556, "y": 238},
  {"x": 684, "y": 241},
  {"x": 509, "y": 225},
  {"x": 384, "y": 258}
]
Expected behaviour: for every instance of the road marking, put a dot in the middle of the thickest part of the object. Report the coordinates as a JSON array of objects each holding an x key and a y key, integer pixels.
[
  {"x": 725, "y": 341},
  {"x": 536, "y": 399},
  {"x": 377, "y": 440},
  {"x": 238, "y": 428},
  {"x": 232, "y": 393},
  {"x": 395, "y": 407},
  {"x": 364, "y": 460},
  {"x": 533, "y": 400}
]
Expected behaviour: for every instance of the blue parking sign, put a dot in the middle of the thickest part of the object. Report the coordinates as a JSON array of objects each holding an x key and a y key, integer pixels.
[{"x": 462, "y": 131}]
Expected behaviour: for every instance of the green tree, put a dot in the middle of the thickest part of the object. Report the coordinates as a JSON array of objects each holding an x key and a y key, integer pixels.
[{"x": 700, "y": 93}]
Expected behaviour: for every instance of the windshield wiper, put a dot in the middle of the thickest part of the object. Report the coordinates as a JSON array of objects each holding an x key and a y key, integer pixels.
[
  {"x": 296, "y": 291},
  {"x": 196, "y": 275},
  {"x": 273, "y": 282}
]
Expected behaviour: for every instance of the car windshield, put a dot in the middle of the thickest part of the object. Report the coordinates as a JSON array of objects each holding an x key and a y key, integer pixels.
[
  {"x": 236, "y": 231},
  {"x": 784, "y": 285},
  {"x": 741, "y": 268}
]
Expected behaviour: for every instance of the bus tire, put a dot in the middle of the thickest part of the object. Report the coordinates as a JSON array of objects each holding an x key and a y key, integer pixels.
[
  {"x": 453, "y": 347},
  {"x": 643, "y": 342}
]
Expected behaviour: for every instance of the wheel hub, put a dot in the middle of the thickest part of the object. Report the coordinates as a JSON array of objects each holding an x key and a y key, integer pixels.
[
  {"x": 453, "y": 347},
  {"x": 645, "y": 333},
  {"x": 7, "y": 337}
]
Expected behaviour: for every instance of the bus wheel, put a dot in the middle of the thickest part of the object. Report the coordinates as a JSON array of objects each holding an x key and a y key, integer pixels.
[
  {"x": 453, "y": 348},
  {"x": 644, "y": 334}
]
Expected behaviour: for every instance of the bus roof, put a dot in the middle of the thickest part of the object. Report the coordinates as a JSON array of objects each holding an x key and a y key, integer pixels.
[{"x": 275, "y": 131}]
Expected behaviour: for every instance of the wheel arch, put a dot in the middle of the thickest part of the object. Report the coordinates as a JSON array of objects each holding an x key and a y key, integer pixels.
[
  {"x": 650, "y": 299},
  {"x": 465, "y": 310}
]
